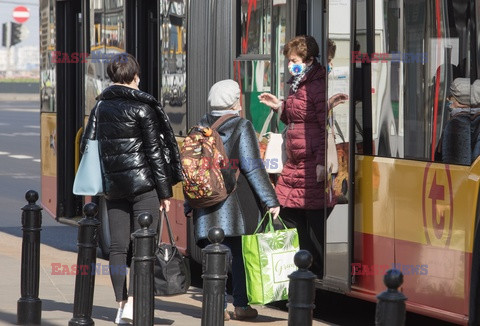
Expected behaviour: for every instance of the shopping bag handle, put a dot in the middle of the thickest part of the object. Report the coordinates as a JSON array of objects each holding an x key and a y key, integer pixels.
[{"x": 269, "y": 227}]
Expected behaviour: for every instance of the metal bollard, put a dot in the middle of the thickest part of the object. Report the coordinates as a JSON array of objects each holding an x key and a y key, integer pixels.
[
  {"x": 29, "y": 306},
  {"x": 143, "y": 263},
  {"x": 391, "y": 303},
  {"x": 301, "y": 291},
  {"x": 214, "y": 277},
  {"x": 86, "y": 259}
]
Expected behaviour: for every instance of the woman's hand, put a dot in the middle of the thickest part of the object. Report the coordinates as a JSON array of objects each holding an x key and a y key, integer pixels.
[
  {"x": 270, "y": 100},
  {"x": 165, "y": 204},
  {"x": 320, "y": 173},
  {"x": 274, "y": 211},
  {"x": 337, "y": 99}
]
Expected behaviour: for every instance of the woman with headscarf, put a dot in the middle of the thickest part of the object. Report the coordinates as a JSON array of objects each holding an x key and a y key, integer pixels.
[
  {"x": 301, "y": 185},
  {"x": 254, "y": 194}
]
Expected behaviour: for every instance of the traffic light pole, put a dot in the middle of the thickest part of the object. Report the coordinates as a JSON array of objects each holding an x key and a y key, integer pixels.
[{"x": 8, "y": 72}]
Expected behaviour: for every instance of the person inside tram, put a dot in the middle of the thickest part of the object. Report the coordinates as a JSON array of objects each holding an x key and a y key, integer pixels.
[
  {"x": 301, "y": 185},
  {"x": 461, "y": 135},
  {"x": 128, "y": 124},
  {"x": 241, "y": 208}
]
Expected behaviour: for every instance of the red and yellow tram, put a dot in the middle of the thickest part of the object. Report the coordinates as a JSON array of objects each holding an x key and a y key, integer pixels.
[{"x": 399, "y": 206}]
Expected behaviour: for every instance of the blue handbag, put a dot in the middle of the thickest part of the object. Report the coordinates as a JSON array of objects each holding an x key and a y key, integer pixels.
[{"x": 88, "y": 180}]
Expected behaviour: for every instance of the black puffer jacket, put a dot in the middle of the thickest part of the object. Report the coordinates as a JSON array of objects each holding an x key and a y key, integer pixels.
[{"x": 137, "y": 144}]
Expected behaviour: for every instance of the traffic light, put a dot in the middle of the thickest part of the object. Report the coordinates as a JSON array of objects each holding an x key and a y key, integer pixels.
[
  {"x": 17, "y": 33},
  {"x": 5, "y": 35}
]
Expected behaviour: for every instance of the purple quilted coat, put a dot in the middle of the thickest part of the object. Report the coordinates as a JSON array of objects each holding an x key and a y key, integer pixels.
[{"x": 304, "y": 112}]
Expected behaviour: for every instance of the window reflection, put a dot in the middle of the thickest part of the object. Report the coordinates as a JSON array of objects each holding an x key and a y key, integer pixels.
[
  {"x": 254, "y": 79},
  {"x": 107, "y": 38},
  {"x": 279, "y": 26},
  {"x": 173, "y": 57},
  {"x": 47, "y": 46},
  {"x": 255, "y": 21},
  {"x": 411, "y": 70},
  {"x": 339, "y": 83}
]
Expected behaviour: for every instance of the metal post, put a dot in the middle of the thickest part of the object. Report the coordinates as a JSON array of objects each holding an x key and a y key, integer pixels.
[
  {"x": 86, "y": 259},
  {"x": 29, "y": 306},
  {"x": 214, "y": 279},
  {"x": 143, "y": 263},
  {"x": 391, "y": 303},
  {"x": 301, "y": 291}
]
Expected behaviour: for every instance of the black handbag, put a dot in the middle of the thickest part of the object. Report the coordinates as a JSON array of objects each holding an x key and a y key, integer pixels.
[{"x": 171, "y": 270}]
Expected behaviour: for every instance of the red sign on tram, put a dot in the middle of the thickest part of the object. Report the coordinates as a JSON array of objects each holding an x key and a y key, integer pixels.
[
  {"x": 437, "y": 205},
  {"x": 21, "y": 14}
]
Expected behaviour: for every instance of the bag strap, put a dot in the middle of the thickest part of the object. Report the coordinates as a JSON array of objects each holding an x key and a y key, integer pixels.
[
  {"x": 269, "y": 227},
  {"x": 217, "y": 125},
  {"x": 169, "y": 229},
  {"x": 222, "y": 120},
  {"x": 97, "y": 108},
  {"x": 265, "y": 125}
]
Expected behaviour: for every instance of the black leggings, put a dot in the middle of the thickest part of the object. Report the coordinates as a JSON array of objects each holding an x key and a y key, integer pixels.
[
  {"x": 122, "y": 218},
  {"x": 310, "y": 224}
]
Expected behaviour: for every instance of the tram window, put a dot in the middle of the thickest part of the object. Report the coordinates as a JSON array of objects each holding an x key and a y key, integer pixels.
[
  {"x": 173, "y": 58},
  {"x": 418, "y": 50},
  {"x": 255, "y": 24},
  {"x": 114, "y": 26},
  {"x": 47, "y": 66},
  {"x": 441, "y": 34},
  {"x": 107, "y": 37}
]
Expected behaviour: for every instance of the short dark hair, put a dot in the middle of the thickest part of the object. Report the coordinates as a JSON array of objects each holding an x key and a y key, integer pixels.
[
  {"x": 331, "y": 49},
  {"x": 122, "y": 68},
  {"x": 304, "y": 46}
]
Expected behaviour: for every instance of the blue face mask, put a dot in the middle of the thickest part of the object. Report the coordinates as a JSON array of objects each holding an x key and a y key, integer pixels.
[
  {"x": 329, "y": 69},
  {"x": 296, "y": 68},
  {"x": 449, "y": 104}
]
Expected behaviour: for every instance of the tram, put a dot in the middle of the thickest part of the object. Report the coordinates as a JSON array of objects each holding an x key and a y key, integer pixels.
[{"x": 398, "y": 204}]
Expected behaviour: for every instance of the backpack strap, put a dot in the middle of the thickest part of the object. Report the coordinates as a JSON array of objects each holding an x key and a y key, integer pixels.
[{"x": 222, "y": 120}]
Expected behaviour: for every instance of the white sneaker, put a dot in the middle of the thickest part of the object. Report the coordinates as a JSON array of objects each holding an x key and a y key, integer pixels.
[
  {"x": 127, "y": 315},
  {"x": 118, "y": 318}
]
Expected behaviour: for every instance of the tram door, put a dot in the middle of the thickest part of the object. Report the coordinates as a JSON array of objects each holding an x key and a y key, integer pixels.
[{"x": 338, "y": 245}]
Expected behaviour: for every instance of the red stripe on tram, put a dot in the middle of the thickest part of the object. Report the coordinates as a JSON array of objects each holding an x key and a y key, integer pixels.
[{"x": 437, "y": 79}]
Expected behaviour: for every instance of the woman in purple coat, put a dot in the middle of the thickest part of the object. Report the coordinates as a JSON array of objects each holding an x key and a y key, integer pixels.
[{"x": 300, "y": 188}]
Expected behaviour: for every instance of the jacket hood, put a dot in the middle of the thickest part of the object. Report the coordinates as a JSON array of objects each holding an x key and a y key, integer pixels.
[{"x": 128, "y": 93}]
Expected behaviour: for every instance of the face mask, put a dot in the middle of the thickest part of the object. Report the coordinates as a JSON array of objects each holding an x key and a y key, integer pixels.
[
  {"x": 329, "y": 69},
  {"x": 449, "y": 104},
  {"x": 296, "y": 68}
]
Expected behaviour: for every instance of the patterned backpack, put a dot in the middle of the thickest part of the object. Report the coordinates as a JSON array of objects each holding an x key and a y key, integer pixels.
[{"x": 205, "y": 166}]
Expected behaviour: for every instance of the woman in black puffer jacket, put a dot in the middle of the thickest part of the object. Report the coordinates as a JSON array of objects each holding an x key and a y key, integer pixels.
[{"x": 140, "y": 163}]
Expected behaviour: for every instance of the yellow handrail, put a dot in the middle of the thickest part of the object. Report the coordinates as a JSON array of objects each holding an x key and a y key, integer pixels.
[{"x": 78, "y": 136}]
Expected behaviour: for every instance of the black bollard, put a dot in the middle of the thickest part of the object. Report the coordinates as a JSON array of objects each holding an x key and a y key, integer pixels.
[
  {"x": 214, "y": 276},
  {"x": 391, "y": 303},
  {"x": 29, "y": 306},
  {"x": 86, "y": 259},
  {"x": 301, "y": 291},
  {"x": 143, "y": 263}
]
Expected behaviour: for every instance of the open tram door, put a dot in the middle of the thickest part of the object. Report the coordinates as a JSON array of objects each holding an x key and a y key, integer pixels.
[{"x": 338, "y": 247}]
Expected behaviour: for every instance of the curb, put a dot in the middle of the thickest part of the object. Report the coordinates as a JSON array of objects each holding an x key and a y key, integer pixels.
[{"x": 20, "y": 97}]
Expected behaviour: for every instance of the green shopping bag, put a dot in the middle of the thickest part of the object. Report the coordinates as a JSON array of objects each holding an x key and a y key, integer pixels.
[{"x": 268, "y": 259}]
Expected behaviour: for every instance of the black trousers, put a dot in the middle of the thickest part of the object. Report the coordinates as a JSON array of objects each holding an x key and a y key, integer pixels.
[
  {"x": 238, "y": 269},
  {"x": 310, "y": 224},
  {"x": 122, "y": 218}
]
